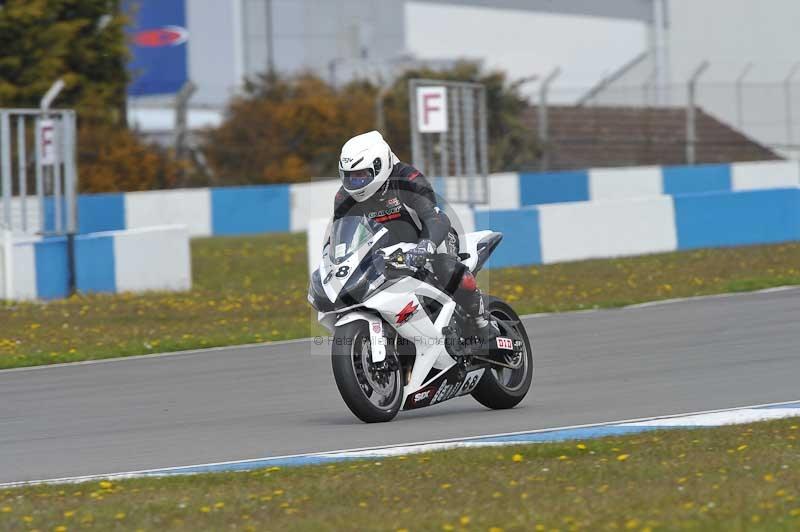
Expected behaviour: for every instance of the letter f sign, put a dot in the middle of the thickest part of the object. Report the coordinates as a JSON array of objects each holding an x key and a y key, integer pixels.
[{"x": 432, "y": 109}]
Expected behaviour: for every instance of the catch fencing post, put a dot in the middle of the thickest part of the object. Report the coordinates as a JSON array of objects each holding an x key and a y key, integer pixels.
[
  {"x": 787, "y": 94},
  {"x": 691, "y": 126},
  {"x": 22, "y": 172},
  {"x": 739, "y": 80},
  {"x": 544, "y": 135},
  {"x": 8, "y": 263},
  {"x": 181, "y": 109},
  {"x": 5, "y": 167}
]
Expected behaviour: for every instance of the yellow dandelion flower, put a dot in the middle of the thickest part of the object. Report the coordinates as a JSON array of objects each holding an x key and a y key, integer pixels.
[
  {"x": 448, "y": 526},
  {"x": 69, "y": 513},
  {"x": 517, "y": 458},
  {"x": 119, "y": 515},
  {"x": 362, "y": 504},
  {"x": 742, "y": 447},
  {"x": 27, "y": 518},
  {"x": 795, "y": 512},
  {"x": 464, "y": 520},
  {"x": 445, "y": 486},
  {"x": 60, "y": 528},
  {"x": 5, "y": 509},
  {"x": 769, "y": 477},
  {"x": 205, "y": 509},
  {"x": 563, "y": 457},
  {"x": 219, "y": 505},
  {"x": 623, "y": 457},
  {"x": 495, "y": 529},
  {"x": 106, "y": 484},
  {"x": 581, "y": 446},
  {"x": 278, "y": 492},
  {"x": 274, "y": 468},
  {"x": 632, "y": 524}
]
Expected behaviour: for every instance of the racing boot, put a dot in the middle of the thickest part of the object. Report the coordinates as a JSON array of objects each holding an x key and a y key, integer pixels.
[{"x": 481, "y": 325}]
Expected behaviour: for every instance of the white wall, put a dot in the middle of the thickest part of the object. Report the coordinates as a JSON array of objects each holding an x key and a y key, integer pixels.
[
  {"x": 622, "y": 183},
  {"x": 317, "y": 228},
  {"x": 311, "y": 200},
  {"x": 503, "y": 192},
  {"x": 24, "y": 270},
  {"x": 189, "y": 207},
  {"x": 765, "y": 174},
  {"x": 20, "y": 267},
  {"x": 575, "y": 231},
  {"x": 156, "y": 258}
]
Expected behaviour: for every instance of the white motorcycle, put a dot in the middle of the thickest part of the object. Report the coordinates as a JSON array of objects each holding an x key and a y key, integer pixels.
[{"x": 398, "y": 340}]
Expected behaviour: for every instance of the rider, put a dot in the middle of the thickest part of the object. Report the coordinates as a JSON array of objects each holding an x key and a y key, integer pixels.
[{"x": 377, "y": 185}]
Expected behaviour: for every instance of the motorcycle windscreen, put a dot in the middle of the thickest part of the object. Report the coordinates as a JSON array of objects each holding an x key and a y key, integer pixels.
[{"x": 348, "y": 234}]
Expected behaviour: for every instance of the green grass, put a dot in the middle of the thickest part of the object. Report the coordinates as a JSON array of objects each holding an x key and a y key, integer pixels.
[
  {"x": 744, "y": 477},
  {"x": 253, "y": 289}
]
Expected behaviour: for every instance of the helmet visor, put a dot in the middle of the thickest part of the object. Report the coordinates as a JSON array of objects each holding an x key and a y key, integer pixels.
[{"x": 356, "y": 179}]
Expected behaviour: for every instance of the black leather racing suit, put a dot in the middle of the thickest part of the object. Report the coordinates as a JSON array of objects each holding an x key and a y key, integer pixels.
[{"x": 406, "y": 204}]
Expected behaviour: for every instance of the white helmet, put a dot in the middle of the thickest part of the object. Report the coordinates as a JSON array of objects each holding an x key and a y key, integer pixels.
[{"x": 365, "y": 164}]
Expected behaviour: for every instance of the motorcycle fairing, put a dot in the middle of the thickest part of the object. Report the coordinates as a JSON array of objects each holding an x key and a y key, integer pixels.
[{"x": 447, "y": 385}]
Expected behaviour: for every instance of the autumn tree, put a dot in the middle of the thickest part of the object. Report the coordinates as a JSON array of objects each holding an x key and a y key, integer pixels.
[
  {"x": 291, "y": 129},
  {"x": 83, "y": 43}
]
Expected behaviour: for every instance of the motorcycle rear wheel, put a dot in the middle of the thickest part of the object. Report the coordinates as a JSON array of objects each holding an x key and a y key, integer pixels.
[
  {"x": 502, "y": 388},
  {"x": 374, "y": 396}
]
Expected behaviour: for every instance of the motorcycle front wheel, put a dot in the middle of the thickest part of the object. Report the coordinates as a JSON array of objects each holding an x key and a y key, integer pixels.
[{"x": 372, "y": 393}]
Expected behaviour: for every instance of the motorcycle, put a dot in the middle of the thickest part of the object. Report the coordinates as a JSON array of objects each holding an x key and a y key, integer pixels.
[{"x": 398, "y": 341}]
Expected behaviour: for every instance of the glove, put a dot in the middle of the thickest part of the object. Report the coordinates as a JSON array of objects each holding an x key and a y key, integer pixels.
[{"x": 419, "y": 256}]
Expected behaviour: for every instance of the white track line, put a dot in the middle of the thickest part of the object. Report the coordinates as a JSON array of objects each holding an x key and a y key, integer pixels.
[{"x": 166, "y": 470}]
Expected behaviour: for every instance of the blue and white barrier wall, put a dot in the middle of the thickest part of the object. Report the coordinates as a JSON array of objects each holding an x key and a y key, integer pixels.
[
  {"x": 155, "y": 258},
  {"x": 599, "y": 229},
  {"x": 565, "y": 232},
  {"x": 601, "y": 184},
  {"x": 282, "y": 208}
]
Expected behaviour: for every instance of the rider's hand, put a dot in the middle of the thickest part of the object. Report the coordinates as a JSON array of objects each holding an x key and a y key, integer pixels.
[{"x": 419, "y": 256}]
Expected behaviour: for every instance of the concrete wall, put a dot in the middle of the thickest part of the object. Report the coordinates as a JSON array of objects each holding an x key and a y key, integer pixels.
[
  {"x": 561, "y": 232},
  {"x": 155, "y": 258}
]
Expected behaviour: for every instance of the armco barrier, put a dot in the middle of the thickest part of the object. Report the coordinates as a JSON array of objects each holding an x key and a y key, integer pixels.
[
  {"x": 188, "y": 207},
  {"x": 155, "y": 258},
  {"x": 575, "y": 231},
  {"x": 553, "y": 187},
  {"x": 599, "y": 184},
  {"x": 623, "y": 183},
  {"x": 521, "y": 236},
  {"x": 271, "y": 208},
  {"x": 247, "y": 210},
  {"x": 737, "y": 218},
  {"x": 603, "y": 229}
]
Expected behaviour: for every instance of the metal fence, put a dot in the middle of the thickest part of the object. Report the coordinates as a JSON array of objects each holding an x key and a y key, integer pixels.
[
  {"x": 38, "y": 169},
  {"x": 459, "y": 153},
  {"x": 764, "y": 112}
]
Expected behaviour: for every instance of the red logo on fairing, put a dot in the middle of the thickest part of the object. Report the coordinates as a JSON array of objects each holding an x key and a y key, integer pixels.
[
  {"x": 404, "y": 315},
  {"x": 164, "y": 36}
]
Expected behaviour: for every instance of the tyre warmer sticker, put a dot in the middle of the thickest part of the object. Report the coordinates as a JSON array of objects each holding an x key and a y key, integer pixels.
[{"x": 713, "y": 418}]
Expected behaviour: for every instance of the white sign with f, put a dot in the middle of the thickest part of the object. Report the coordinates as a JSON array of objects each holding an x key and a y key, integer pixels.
[{"x": 432, "y": 109}]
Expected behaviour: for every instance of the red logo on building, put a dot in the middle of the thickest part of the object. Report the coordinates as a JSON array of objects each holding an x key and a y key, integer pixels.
[{"x": 158, "y": 37}]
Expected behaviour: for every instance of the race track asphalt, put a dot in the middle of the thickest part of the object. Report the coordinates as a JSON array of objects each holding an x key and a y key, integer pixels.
[{"x": 270, "y": 400}]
